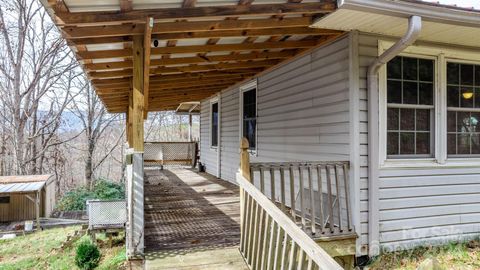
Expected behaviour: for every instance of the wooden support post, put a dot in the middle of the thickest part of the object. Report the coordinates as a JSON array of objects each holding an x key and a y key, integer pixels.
[
  {"x": 245, "y": 159},
  {"x": 137, "y": 101},
  {"x": 147, "y": 39},
  {"x": 37, "y": 209},
  {"x": 129, "y": 120}
]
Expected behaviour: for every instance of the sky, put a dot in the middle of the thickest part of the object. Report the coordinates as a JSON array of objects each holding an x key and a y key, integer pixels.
[{"x": 460, "y": 3}]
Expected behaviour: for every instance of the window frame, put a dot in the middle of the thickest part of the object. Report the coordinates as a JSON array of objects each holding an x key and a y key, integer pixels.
[
  {"x": 433, "y": 107},
  {"x": 245, "y": 88},
  {"x": 442, "y": 55},
  {"x": 213, "y": 101}
]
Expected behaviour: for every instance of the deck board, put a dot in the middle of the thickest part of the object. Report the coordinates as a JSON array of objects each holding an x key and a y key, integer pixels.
[{"x": 190, "y": 217}]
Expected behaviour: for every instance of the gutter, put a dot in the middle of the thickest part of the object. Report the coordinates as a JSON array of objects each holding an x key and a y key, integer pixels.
[
  {"x": 408, "y": 8},
  {"x": 414, "y": 28}
]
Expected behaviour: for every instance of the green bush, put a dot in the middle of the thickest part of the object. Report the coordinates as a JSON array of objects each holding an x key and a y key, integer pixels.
[
  {"x": 87, "y": 256},
  {"x": 103, "y": 190}
]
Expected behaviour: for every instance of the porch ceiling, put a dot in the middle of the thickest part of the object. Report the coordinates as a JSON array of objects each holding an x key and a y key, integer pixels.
[{"x": 198, "y": 47}]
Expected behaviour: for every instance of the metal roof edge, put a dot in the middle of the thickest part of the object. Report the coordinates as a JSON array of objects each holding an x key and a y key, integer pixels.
[{"x": 402, "y": 8}]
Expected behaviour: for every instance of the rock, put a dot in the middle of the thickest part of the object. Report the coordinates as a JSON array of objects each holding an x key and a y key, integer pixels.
[{"x": 430, "y": 264}]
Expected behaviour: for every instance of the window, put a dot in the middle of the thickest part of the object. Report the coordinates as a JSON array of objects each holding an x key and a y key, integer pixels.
[
  {"x": 410, "y": 107},
  {"x": 463, "y": 109},
  {"x": 214, "y": 124},
  {"x": 249, "y": 116},
  {"x": 5, "y": 200}
]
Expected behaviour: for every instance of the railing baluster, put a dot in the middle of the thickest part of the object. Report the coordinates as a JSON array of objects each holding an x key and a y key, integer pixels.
[
  {"x": 257, "y": 240},
  {"x": 292, "y": 192},
  {"x": 254, "y": 234},
  {"x": 243, "y": 234},
  {"x": 282, "y": 188},
  {"x": 278, "y": 248},
  {"x": 330, "y": 200},
  {"x": 301, "y": 260},
  {"x": 272, "y": 184},
  {"x": 347, "y": 199},
  {"x": 309, "y": 264},
  {"x": 302, "y": 199},
  {"x": 339, "y": 199},
  {"x": 265, "y": 242},
  {"x": 262, "y": 180},
  {"x": 271, "y": 245},
  {"x": 320, "y": 197},
  {"x": 291, "y": 257},
  {"x": 312, "y": 200},
  {"x": 285, "y": 249}
]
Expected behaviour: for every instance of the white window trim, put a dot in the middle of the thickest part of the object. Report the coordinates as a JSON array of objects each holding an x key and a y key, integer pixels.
[
  {"x": 441, "y": 56},
  {"x": 213, "y": 101},
  {"x": 246, "y": 87}
]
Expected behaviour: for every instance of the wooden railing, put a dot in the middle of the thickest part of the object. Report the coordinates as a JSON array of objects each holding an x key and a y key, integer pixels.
[
  {"x": 315, "y": 194},
  {"x": 270, "y": 239},
  {"x": 170, "y": 153}
]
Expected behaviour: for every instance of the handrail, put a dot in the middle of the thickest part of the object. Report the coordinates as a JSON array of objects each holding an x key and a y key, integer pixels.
[{"x": 268, "y": 234}]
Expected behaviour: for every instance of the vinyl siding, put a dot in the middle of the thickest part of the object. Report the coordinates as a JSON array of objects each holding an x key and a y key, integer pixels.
[
  {"x": 208, "y": 155},
  {"x": 417, "y": 205},
  {"x": 302, "y": 113}
]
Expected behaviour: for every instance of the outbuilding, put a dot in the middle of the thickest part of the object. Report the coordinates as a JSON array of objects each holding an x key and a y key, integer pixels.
[{"x": 26, "y": 197}]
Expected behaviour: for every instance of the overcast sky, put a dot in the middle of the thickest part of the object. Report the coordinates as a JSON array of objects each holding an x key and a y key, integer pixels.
[{"x": 460, "y": 3}]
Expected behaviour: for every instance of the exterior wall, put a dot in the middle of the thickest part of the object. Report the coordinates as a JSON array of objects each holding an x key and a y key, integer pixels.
[
  {"x": 302, "y": 113},
  {"x": 208, "y": 155},
  {"x": 20, "y": 208},
  {"x": 429, "y": 203}
]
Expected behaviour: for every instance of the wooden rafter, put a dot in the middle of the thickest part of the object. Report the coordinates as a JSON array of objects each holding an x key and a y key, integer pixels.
[
  {"x": 201, "y": 48},
  {"x": 74, "y": 32},
  {"x": 139, "y": 16}
]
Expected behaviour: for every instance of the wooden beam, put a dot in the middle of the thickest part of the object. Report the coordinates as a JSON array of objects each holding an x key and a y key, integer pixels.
[
  {"x": 194, "y": 60},
  {"x": 201, "y": 48},
  {"x": 137, "y": 94},
  {"x": 125, "y": 5},
  {"x": 74, "y": 32},
  {"x": 146, "y": 62},
  {"x": 139, "y": 16}
]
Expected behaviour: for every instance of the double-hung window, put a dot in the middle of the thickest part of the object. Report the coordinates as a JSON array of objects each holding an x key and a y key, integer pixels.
[
  {"x": 248, "y": 115},
  {"x": 214, "y": 124},
  {"x": 463, "y": 109},
  {"x": 410, "y": 107},
  {"x": 430, "y": 105}
]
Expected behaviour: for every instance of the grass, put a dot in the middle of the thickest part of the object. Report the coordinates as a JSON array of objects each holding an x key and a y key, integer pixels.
[
  {"x": 36, "y": 251},
  {"x": 453, "y": 256}
]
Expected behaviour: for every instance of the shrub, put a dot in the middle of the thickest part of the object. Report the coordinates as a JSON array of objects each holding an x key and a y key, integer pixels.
[
  {"x": 75, "y": 199},
  {"x": 103, "y": 190},
  {"x": 108, "y": 190},
  {"x": 87, "y": 256}
]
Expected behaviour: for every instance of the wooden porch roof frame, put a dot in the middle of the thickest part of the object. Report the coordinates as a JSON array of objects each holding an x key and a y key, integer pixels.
[{"x": 173, "y": 73}]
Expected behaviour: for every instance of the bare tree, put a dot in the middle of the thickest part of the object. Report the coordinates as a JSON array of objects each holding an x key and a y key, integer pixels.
[
  {"x": 36, "y": 71},
  {"x": 96, "y": 123}
]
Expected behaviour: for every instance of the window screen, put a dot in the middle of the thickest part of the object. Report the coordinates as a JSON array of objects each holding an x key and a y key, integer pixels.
[
  {"x": 250, "y": 116},
  {"x": 410, "y": 107},
  {"x": 214, "y": 131}
]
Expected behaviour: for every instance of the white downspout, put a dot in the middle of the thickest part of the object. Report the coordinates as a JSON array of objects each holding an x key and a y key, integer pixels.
[{"x": 414, "y": 28}]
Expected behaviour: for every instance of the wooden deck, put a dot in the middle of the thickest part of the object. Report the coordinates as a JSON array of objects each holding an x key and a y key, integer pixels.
[{"x": 191, "y": 221}]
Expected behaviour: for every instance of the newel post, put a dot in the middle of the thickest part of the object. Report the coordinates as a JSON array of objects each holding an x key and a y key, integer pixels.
[{"x": 245, "y": 159}]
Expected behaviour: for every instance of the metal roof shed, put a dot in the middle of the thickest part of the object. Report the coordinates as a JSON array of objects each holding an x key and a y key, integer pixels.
[{"x": 26, "y": 197}]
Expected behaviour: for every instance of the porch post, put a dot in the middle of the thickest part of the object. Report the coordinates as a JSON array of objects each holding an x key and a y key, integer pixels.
[
  {"x": 136, "y": 102},
  {"x": 135, "y": 174}
]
